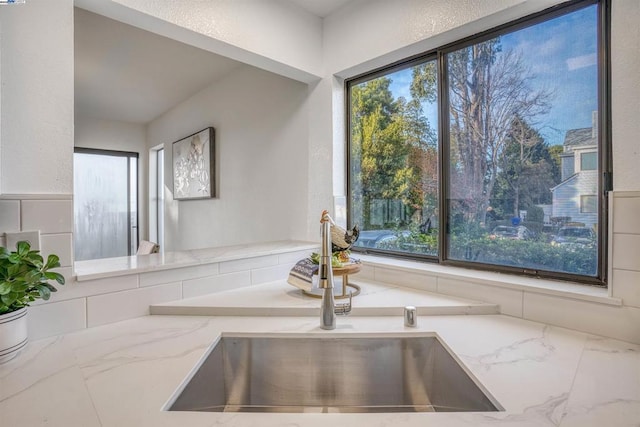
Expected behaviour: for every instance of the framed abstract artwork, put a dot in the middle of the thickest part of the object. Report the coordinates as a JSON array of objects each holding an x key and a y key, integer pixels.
[{"x": 194, "y": 166}]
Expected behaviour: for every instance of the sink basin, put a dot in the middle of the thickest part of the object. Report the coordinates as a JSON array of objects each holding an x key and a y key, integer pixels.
[{"x": 330, "y": 373}]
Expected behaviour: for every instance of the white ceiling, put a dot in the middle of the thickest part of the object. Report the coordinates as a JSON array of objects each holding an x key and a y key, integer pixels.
[
  {"x": 321, "y": 8},
  {"x": 127, "y": 74}
]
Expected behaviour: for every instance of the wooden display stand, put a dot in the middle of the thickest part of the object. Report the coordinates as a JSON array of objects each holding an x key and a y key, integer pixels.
[{"x": 343, "y": 271}]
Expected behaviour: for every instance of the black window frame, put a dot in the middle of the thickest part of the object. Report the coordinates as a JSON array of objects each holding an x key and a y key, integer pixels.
[{"x": 605, "y": 178}]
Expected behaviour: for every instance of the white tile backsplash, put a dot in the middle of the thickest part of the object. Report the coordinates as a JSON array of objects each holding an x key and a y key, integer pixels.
[
  {"x": 270, "y": 274},
  {"x": 9, "y": 215},
  {"x": 626, "y": 285},
  {"x": 616, "y": 322},
  {"x": 73, "y": 289},
  {"x": 160, "y": 294},
  {"x": 114, "y": 307},
  {"x": 32, "y": 237},
  {"x": 59, "y": 244},
  {"x": 293, "y": 257},
  {"x": 56, "y": 318},
  {"x": 248, "y": 263},
  {"x": 625, "y": 251},
  {"x": 222, "y": 282},
  {"x": 366, "y": 272},
  {"x": 626, "y": 211},
  {"x": 509, "y": 300},
  {"x": 59, "y": 295},
  {"x": 405, "y": 278},
  {"x": 48, "y": 216},
  {"x": 178, "y": 274}
]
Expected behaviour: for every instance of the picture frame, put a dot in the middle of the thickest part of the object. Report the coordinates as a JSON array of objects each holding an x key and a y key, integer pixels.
[{"x": 193, "y": 166}]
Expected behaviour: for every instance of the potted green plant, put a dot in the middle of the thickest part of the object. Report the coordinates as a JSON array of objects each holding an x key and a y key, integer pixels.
[{"x": 24, "y": 278}]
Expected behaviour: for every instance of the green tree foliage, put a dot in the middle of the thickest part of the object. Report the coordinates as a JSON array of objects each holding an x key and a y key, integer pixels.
[
  {"x": 488, "y": 89},
  {"x": 556, "y": 163},
  {"x": 535, "y": 214},
  {"x": 393, "y": 147},
  {"x": 378, "y": 146},
  {"x": 423, "y": 155},
  {"x": 527, "y": 171},
  {"x": 424, "y": 82}
]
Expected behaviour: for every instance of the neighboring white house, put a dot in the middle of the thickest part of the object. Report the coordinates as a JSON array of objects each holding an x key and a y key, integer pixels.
[{"x": 576, "y": 197}]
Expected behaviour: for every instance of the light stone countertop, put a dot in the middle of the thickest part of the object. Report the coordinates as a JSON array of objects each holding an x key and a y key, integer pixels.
[
  {"x": 120, "y": 266},
  {"x": 120, "y": 375},
  {"x": 281, "y": 299}
]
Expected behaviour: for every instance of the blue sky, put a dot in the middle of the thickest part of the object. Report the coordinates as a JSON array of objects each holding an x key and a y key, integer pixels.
[{"x": 562, "y": 55}]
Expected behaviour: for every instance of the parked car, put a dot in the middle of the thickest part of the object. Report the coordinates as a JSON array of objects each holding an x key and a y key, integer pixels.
[
  {"x": 377, "y": 238},
  {"x": 512, "y": 233},
  {"x": 574, "y": 235}
]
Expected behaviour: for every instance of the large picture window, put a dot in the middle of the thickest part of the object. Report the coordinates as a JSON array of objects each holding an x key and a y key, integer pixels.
[{"x": 488, "y": 152}]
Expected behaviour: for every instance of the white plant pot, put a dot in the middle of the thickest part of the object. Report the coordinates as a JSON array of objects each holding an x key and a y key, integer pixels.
[{"x": 13, "y": 334}]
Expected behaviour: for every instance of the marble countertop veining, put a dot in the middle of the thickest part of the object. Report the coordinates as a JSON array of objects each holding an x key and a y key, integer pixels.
[
  {"x": 120, "y": 266},
  {"x": 120, "y": 375}
]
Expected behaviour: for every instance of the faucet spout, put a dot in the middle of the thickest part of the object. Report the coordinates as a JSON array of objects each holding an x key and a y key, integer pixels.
[{"x": 328, "y": 308}]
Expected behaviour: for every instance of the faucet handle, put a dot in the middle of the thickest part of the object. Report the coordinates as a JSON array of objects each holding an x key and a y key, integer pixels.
[{"x": 344, "y": 309}]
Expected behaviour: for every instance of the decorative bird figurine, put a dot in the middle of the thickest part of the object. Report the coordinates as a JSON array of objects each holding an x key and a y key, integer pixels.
[{"x": 341, "y": 239}]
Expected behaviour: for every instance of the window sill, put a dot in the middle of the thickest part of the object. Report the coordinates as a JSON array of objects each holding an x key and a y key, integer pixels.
[
  {"x": 137, "y": 264},
  {"x": 540, "y": 286}
]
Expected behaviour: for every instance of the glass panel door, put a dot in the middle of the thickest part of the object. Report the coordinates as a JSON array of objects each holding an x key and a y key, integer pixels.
[{"x": 105, "y": 204}]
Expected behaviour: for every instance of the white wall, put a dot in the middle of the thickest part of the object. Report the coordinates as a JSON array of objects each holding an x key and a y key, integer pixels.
[
  {"x": 36, "y": 124},
  {"x": 37, "y": 97},
  {"x": 261, "y": 124},
  {"x": 625, "y": 86},
  {"x": 120, "y": 136},
  {"x": 268, "y": 34},
  {"x": 368, "y": 34}
]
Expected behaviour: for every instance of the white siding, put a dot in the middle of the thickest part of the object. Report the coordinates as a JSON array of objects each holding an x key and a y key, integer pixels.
[{"x": 566, "y": 197}]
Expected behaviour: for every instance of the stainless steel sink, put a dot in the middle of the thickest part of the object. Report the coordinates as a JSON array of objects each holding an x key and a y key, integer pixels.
[{"x": 330, "y": 373}]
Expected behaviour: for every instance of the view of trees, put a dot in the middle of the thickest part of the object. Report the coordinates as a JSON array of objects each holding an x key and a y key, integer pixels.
[
  {"x": 529, "y": 168},
  {"x": 497, "y": 157},
  {"x": 394, "y": 147},
  {"x": 499, "y": 163},
  {"x": 491, "y": 106}
]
